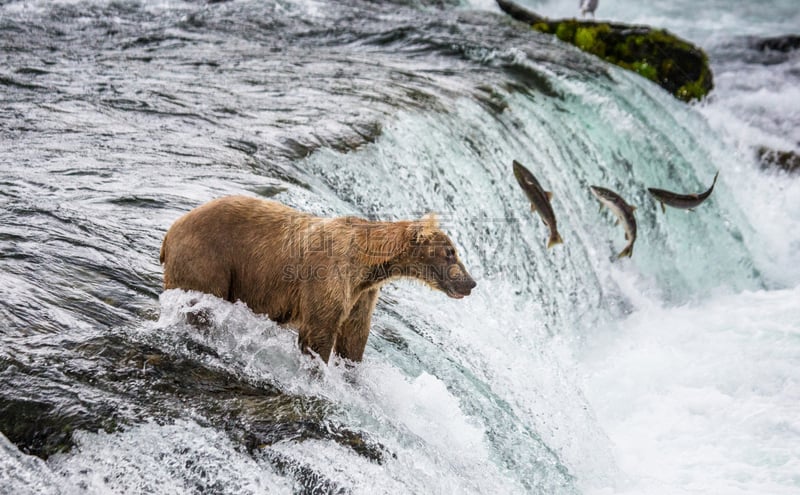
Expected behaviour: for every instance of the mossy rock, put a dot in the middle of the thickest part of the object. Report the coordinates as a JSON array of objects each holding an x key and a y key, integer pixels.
[{"x": 656, "y": 54}]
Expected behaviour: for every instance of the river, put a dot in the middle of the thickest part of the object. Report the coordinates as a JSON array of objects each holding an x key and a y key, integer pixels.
[{"x": 566, "y": 371}]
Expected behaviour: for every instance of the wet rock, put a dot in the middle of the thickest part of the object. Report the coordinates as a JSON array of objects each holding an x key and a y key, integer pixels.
[
  {"x": 352, "y": 139},
  {"x": 788, "y": 161},
  {"x": 257, "y": 414},
  {"x": 763, "y": 51},
  {"x": 783, "y": 44},
  {"x": 246, "y": 147},
  {"x": 109, "y": 383},
  {"x": 40, "y": 428},
  {"x": 307, "y": 480},
  {"x": 671, "y": 62},
  {"x": 42, "y": 421}
]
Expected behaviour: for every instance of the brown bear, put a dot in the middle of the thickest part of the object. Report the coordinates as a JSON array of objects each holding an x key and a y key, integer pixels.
[{"x": 320, "y": 276}]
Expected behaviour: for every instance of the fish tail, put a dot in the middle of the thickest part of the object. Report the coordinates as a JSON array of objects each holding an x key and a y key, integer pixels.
[
  {"x": 715, "y": 179},
  {"x": 628, "y": 251},
  {"x": 555, "y": 238}
]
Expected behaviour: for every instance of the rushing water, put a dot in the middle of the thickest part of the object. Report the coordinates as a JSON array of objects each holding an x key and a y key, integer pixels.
[{"x": 566, "y": 370}]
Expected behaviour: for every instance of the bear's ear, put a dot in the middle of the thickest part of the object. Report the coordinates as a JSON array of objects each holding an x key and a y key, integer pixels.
[
  {"x": 379, "y": 243},
  {"x": 425, "y": 227}
]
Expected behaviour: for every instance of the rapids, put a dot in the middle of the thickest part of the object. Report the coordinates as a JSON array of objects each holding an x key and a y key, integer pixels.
[{"x": 566, "y": 371}]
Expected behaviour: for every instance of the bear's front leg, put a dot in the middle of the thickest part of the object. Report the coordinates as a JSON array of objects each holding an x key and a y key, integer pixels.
[
  {"x": 318, "y": 331},
  {"x": 355, "y": 328}
]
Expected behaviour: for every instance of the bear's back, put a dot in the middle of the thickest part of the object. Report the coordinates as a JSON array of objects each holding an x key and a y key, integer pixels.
[{"x": 231, "y": 246}]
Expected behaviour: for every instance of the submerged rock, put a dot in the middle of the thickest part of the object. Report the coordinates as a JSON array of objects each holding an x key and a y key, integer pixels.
[
  {"x": 110, "y": 383},
  {"x": 784, "y": 44},
  {"x": 784, "y": 160},
  {"x": 41, "y": 422},
  {"x": 671, "y": 62}
]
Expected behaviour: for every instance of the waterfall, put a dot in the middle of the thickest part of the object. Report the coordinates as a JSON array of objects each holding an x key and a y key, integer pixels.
[{"x": 567, "y": 370}]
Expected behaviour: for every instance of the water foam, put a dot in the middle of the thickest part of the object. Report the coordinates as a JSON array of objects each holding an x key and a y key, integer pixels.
[
  {"x": 405, "y": 399},
  {"x": 180, "y": 457},
  {"x": 702, "y": 397}
]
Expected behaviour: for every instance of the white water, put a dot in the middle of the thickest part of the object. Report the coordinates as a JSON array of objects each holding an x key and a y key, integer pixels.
[{"x": 703, "y": 397}]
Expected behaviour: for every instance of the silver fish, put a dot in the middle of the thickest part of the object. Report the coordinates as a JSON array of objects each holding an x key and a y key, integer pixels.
[
  {"x": 623, "y": 212},
  {"x": 683, "y": 201},
  {"x": 540, "y": 201}
]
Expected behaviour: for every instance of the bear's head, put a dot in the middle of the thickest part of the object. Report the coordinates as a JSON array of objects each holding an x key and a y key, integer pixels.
[
  {"x": 432, "y": 258},
  {"x": 417, "y": 249}
]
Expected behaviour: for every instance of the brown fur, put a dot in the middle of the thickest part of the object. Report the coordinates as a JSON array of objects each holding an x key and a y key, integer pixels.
[{"x": 321, "y": 276}]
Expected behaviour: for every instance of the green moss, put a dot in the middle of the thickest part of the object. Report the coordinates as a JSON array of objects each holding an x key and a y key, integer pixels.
[
  {"x": 675, "y": 64},
  {"x": 692, "y": 91},
  {"x": 645, "y": 69},
  {"x": 655, "y": 54},
  {"x": 565, "y": 31},
  {"x": 660, "y": 36},
  {"x": 542, "y": 27},
  {"x": 587, "y": 39}
]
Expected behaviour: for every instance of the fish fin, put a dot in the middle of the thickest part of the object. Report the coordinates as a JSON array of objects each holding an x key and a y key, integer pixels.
[
  {"x": 549, "y": 195},
  {"x": 633, "y": 208},
  {"x": 627, "y": 252},
  {"x": 627, "y": 237},
  {"x": 554, "y": 239},
  {"x": 616, "y": 222},
  {"x": 715, "y": 179},
  {"x": 601, "y": 208},
  {"x": 690, "y": 209},
  {"x": 533, "y": 207},
  {"x": 663, "y": 208}
]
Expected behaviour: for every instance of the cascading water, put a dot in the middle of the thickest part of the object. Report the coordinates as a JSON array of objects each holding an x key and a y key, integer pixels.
[{"x": 566, "y": 370}]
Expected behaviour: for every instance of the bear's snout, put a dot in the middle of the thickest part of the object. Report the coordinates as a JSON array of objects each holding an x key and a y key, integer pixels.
[{"x": 460, "y": 283}]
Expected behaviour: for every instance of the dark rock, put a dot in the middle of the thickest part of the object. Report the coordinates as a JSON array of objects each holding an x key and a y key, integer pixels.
[
  {"x": 673, "y": 63},
  {"x": 41, "y": 422},
  {"x": 784, "y": 44},
  {"x": 784, "y": 160},
  {"x": 109, "y": 383},
  {"x": 307, "y": 480}
]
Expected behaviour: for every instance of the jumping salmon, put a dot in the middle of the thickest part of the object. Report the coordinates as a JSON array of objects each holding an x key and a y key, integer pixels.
[
  {"x": 623, "y": 212},
  {"x": 540, "y": 200},
  {"x": 683, "y": 201}
]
